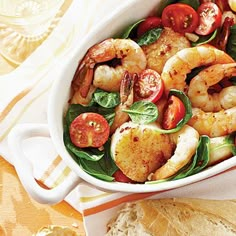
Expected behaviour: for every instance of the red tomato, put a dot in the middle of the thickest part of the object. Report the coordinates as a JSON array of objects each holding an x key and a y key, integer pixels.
[
  {"x": 222, "y": 4},
  {"x": 150, "y": 23},
  {"x": 180, "y": 17},
  {"x": 175, "y": 112},
  {"x": 121, "y": 177},
  {"x": 149, "y": 86},
  {"x": 89, "y": 130},
  {"x": 209, "y": 18}
]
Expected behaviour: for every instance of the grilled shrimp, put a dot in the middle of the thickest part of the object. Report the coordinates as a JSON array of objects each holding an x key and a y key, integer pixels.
[
  {"x": 126, "y": 100},
  {"x": 199, "y": 85},
  {"x": 128, "y": 52},
  {"x": 78, "y": 99},
  {"x": 178, "y": 66},
  {"x": 186, "y": 141},
  {"x": 214, "y": 124}
]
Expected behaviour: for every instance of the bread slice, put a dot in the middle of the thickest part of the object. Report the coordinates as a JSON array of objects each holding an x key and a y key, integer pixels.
[{"x": 175, "y": 216}]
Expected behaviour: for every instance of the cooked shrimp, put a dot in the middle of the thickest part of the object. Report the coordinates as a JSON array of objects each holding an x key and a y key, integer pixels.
[
  {"x": 178, "y": 66},
  {"x": 199, "y": 85},
  {"x": 106, "y": 77},
  {"x": 186, "y": 141},
  {"x": 214, "y": 124},
  {"x": 126, "y": 100},
  {"x": 78, "y": 99}
]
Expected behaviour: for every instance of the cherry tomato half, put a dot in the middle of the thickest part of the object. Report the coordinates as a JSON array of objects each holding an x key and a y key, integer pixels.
[
  {"x": 89, "y": 130},
  {"x": 121, "y": 177},
  {"x": 174, "y": 113},
  {"x": 222, "y": 4},
  {"x": 149, "y": 86},
  {"x": 180, "y": 17},
  {"x": 209, "y": 18},
  {"x": 150, "y": 22}
]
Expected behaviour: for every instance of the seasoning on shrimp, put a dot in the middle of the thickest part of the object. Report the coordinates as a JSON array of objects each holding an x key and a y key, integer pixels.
[
  {"x": 131, "y": 58},
  {"x": 126, "y": 100},
  {"x": 199, "y": 85},
  {"x": 214, "y": 124},
  {"x": 186, "y": 141},
  {"x": 178, "y": 66}
]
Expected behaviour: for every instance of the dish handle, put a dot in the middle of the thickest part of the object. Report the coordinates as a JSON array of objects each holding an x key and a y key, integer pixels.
[{"x": 24, "y": 168}]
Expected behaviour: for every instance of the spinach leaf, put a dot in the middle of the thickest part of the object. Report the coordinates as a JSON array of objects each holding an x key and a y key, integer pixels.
[
  {"x": 199, "y": 160},
  {"x": 103, "y": 168},
  {"x": 106, "y": 99},
  {"x": 230, "y": 140},
  {"x": 130, "y": 29},
  {"x": 231, "y": 45},
  {"x": 186, "y": 170},
  {"x": 205, "y": 39},
  {"x": 76, "y": 109},
  {"x": 93, "y": 161},
  {"x": 188, "y": 114},
  {"x": 163, "y": 5},
  {"x": 92, "y": 154},
  {"x": 97, "y": 163},
  {"x": 202, "y": 154},
  {"x": 193, "y": 3},
  {"x": 142, "y": 112},
  {"x": 149, "y": 37}
]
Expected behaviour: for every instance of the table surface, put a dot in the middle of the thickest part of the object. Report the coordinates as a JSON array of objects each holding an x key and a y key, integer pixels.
[{"x": 21, "y": 215}]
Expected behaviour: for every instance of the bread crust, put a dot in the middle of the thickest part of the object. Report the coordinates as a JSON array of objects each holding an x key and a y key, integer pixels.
[{"x": 185, "y": 216}]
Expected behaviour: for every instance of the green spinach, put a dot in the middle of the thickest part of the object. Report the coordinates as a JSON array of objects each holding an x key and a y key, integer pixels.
[
  {"x": 230, "y": 141},
  {"x": 202, "y": 154},
  {"x": 193, "y": 3},
  {"x": 76, "y": 109},
  {"x": 97, "y": 163},
  {"x": 231, "y": 44},
  {"x": 149, "y": 37},
  {"x": 101, "y": 169},
  {"x": 205, "y": 39},
  {"x": 91, "y": 154},
  {"x": 142, "y": 112},
  {"x": 106, "y": 99},
  {"x": 164, "y": 4},
  {"x": 130, "y": 29}
]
